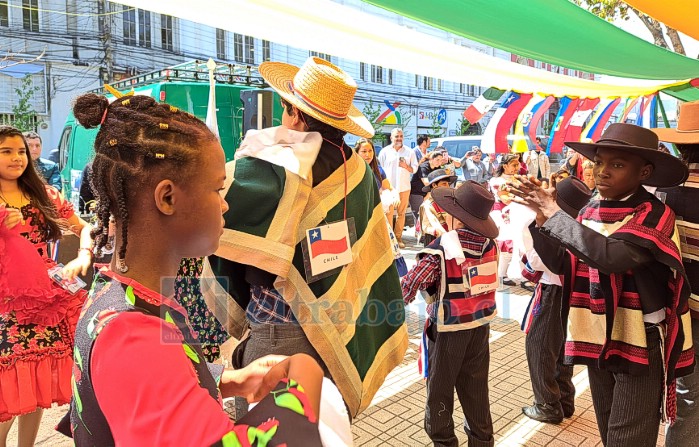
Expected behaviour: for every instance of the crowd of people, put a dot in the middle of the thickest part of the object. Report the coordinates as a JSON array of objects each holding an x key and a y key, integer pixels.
[{"x": 297, "y": 254}]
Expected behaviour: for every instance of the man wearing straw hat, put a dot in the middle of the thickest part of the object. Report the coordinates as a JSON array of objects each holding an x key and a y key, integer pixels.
[
  {"x": 683, "y": 201},
  {"x": 626, "y": 292},
  {"x": 305, "y": 253}
]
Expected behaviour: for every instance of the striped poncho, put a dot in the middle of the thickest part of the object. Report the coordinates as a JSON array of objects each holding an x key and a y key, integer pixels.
[
  {"x": 605, "y": 312},
  {"x": 355, "y": 318}
]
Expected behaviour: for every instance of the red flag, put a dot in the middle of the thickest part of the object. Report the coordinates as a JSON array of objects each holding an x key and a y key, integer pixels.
[
  {"x": 559, "y": 131},
  {"x": 518, "y": 101},
  {"x": 579, "y": 117}
]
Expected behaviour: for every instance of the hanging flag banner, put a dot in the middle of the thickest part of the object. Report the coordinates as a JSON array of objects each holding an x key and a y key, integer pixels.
[
  {"x": 538, "y": 112},
  {"x": 648, "y": 113},
  {"x": 578, "y": 119},
  {"x": 560, "y": 125},
  {"x": 628, "y": 107},
  {"x": 482, "y": 105},
  {"x": 521, "y": 142},
  {"x": 495, "y": 135},
  {"x": 600, "y": 119}
]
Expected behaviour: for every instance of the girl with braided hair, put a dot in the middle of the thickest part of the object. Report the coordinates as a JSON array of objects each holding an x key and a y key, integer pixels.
[
  {"x": 37, "y": 316},
  {"x": 140, "y": 375}
]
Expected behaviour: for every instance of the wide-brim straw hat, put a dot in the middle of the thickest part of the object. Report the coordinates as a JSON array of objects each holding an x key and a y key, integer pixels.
[
  {"x": 321, "y": 90},
  {"x": 437, "y": 175},
  {"x": 470, "y": 203},
  {"x": 687, "y": 131},
  {"x": 668, "y": 170},
  {"x": 572, "y": 194}
]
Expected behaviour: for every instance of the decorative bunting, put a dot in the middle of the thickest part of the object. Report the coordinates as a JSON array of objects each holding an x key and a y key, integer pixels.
[
  {"x": 600, "y": 119},
  {"x": 560, "y": 125},
  {"x": 482, "y": 105}
]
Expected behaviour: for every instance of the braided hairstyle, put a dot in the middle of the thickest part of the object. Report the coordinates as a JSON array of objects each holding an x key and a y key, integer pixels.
[
  {"x": 140, "y": 142},
  {"x": 34, "y": 186}
]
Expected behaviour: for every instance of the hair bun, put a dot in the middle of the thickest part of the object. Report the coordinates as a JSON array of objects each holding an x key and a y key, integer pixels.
[{"x": 89, "y": 109}]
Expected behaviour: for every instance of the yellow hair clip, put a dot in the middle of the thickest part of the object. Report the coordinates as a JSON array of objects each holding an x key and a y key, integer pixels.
[
  {"x": 160, "y": 156},
  {"x": 174, "y": 109},
  {"x": 113, "y": 142},
  {"x": 126, "y": 102},
  {"x": 164, "y": 126},
  {"x": 117, "y": 94}
]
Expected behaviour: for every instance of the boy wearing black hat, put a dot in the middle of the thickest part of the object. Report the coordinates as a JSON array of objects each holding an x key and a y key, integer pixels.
[
  {"x": 625, "y": 290},
  {"x": 433, "y": 218},
  {"x": 457, "y": 274},
  {"x": 683, "y": 201},
  {"x": 554, "y": 392}
]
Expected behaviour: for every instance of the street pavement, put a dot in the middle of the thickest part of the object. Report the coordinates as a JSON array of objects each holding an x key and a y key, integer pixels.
[{"x": 395, "y": 417}]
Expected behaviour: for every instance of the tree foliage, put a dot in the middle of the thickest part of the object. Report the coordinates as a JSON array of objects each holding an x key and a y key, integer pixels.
[
  {"x": 611, "y": 10},
  {"x": 25, "y": 117}
]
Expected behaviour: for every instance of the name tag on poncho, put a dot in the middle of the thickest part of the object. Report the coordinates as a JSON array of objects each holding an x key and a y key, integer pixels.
[
  {"x": 328, "y": 247},
  {"x": 480, "y": 276}
]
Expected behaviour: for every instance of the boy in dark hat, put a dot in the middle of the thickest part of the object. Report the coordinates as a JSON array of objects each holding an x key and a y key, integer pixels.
[
  {"x": 457, "y": 274},
  {"x": 554, "y": 392},
  {"x": 432, "y": 219},
  {"x": 683, "y": 201},
  {"x": 625, "y": 290}
]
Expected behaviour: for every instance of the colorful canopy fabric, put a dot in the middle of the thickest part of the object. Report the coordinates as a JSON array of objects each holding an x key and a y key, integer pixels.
[
  {"x": 331, "y": 28},
  {"x": 683, "y": 15},
  {"x": 553, "y": 31}
]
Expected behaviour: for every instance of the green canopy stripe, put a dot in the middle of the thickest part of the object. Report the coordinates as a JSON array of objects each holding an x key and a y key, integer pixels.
[{"x": 552, "y": 31}]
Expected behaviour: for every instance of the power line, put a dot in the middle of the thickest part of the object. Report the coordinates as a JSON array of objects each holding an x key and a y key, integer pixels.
[{"x": 65, "y": 13}]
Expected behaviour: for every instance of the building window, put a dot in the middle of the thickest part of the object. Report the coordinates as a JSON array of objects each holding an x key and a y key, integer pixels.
[
  {"x": 362, "y": 71},
  {"x": 144, "y": 25},
  {"x": 417, "y": 81},
  {"x": 30, "y": 15},
  {"x": 221, "y": 44},
  {"x": 4, "y": 14},
  {"x": 129, "y": 19},
  {"x": 324, "y": 56},
  {"x": 249, "y": 50},
  {"x": 462, "y": 88},
  {"x": 440, "y": 85},
  {"x": 428, "y": 83},
  {"x": 166, "y": 32},
  {"x": 377, "y": 74},
  {"x": 266, "y": 52},
  {"x": 244, "y": 47}
]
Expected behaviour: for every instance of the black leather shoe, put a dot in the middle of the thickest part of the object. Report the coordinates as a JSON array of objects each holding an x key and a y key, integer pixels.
[
  {"x": 508, "y": 282},
  {"x": 568, "y": 413},
  {"x": 544, "y": 413}
]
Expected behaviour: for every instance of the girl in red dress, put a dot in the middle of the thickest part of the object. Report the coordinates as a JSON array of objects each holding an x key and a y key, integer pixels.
[{"x": 38, "y": 321}]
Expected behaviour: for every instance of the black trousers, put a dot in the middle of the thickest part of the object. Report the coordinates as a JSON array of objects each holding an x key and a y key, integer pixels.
[
  {"x": 551, "y": 380},
  {"x": 458, "y": 360},
  {"x": 683, "y": 432},
  {"x": 627, "y": 406}
]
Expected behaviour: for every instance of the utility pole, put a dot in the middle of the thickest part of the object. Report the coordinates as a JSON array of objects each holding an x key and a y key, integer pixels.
[{"x": 105, "y": 25}]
